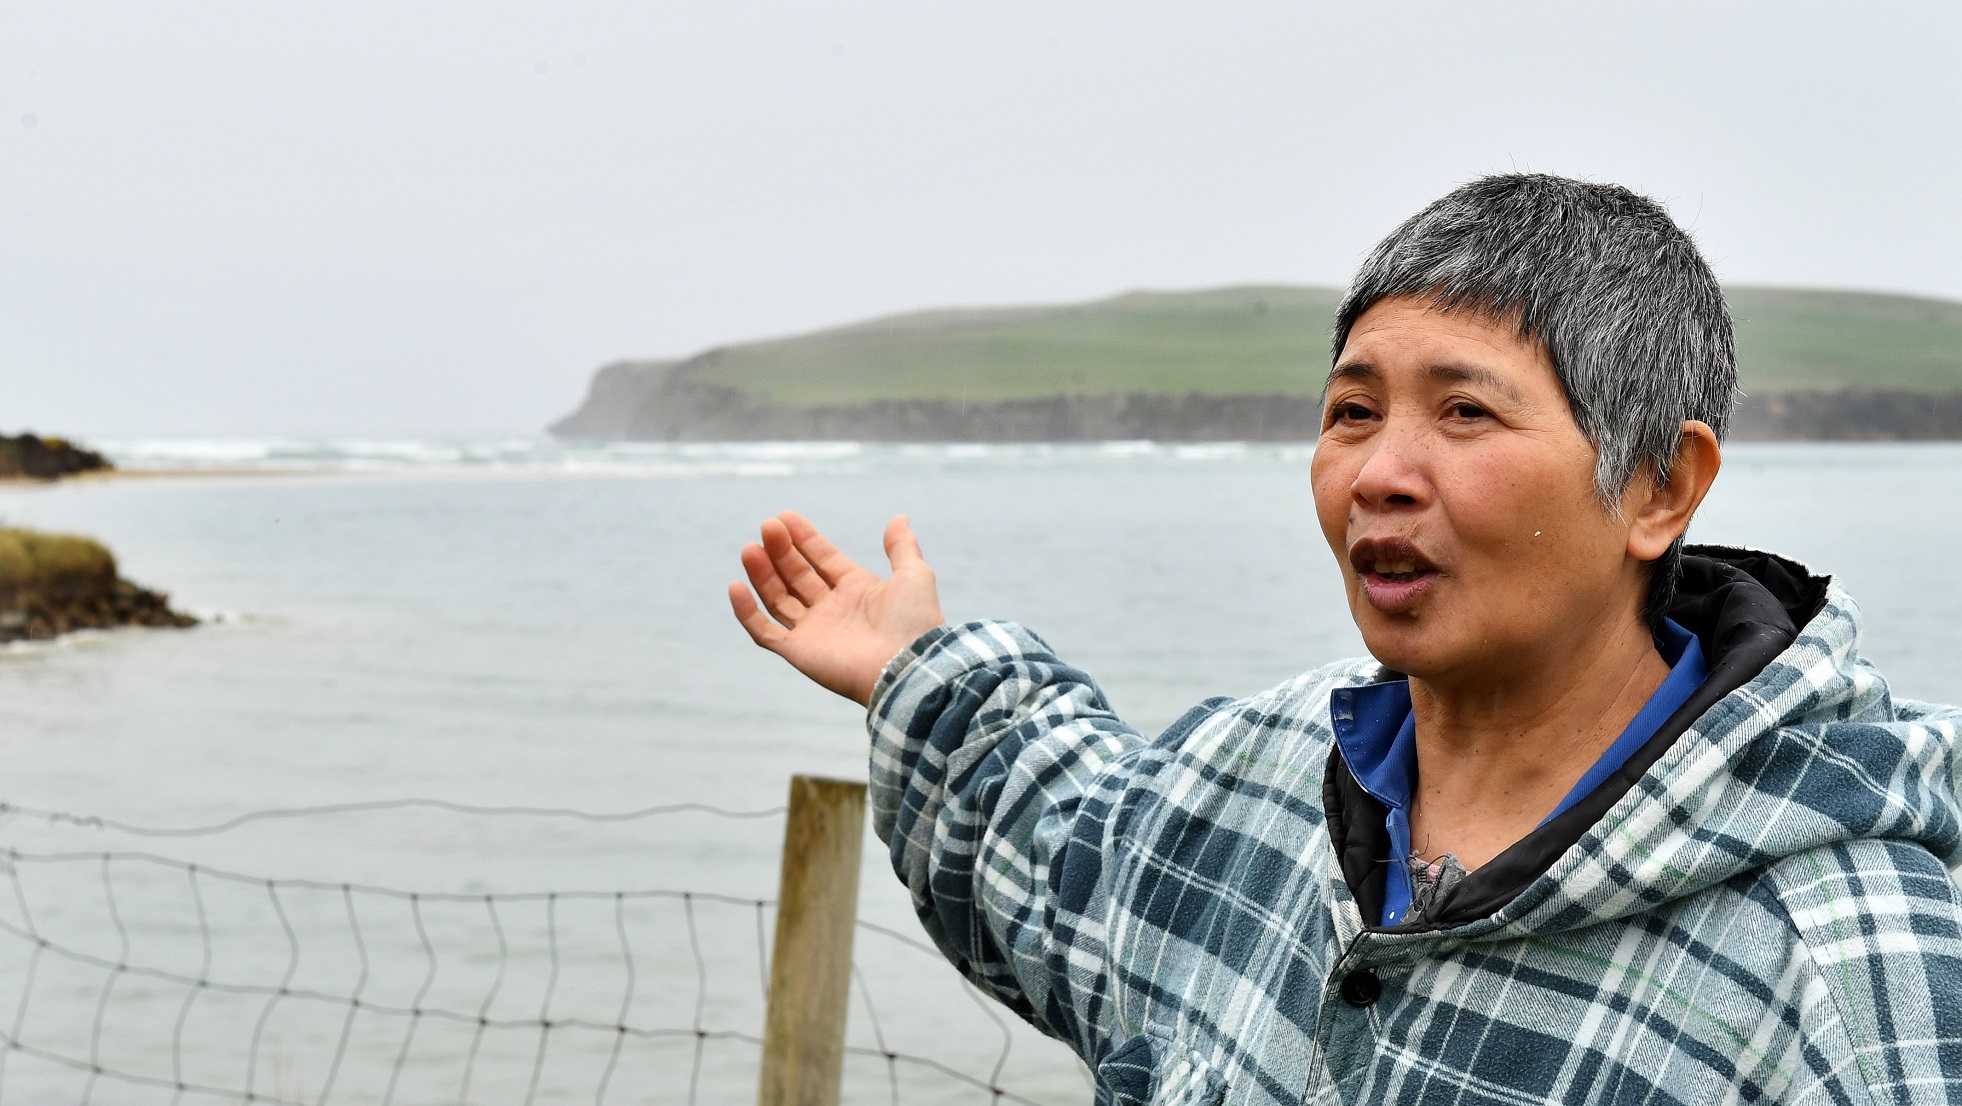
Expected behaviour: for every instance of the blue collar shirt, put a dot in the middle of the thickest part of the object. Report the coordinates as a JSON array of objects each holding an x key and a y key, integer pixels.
[{"x": 1377, "y": 732}]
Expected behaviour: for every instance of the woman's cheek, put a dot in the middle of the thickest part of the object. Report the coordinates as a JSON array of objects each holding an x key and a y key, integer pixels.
[{"x": 1330, "y": 484}]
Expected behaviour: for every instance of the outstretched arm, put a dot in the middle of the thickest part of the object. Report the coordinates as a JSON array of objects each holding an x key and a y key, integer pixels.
[
  {"x": 831, "y": 619},
  {"x": 984, "y": 749}
]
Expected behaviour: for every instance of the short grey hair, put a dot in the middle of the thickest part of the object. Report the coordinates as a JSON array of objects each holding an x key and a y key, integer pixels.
[{"x": 1627, "y": 309}]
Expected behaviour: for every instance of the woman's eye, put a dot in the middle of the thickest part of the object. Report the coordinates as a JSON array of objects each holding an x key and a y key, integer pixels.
[
  {"x": 1349, "y": 411},
  {"x": 1469, "y": 411}
]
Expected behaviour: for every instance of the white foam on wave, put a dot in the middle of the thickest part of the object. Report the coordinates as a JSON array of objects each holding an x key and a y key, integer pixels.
[
  {"x": 1209, "y": 451},
  {"x": 74, "y": 639},
  {"x": 194, "y": 451},
  {"x": 792, "y": 451}
]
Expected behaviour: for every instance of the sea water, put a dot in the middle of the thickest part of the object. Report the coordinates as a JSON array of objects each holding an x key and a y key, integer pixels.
[{"x": 526, "y": 624}]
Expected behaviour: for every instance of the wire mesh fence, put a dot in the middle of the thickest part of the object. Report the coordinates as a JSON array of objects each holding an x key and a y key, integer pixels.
[{"x": 133, "y": 976}]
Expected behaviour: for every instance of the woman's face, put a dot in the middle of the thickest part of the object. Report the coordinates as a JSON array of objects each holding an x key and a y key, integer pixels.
[{"x": 1457, "y": 493}]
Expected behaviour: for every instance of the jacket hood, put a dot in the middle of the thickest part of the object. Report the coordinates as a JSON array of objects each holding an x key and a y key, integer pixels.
[{"x": 1792, "y": 743}]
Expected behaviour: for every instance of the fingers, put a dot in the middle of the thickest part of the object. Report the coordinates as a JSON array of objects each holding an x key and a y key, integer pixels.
[
  {"x": 826, "y": 559},
  {"x": 762, "y": 573},
  {"x": 762, "y": 631},
  {"x": 791, "y": 566},
  {"x": 902, "y": 548}
]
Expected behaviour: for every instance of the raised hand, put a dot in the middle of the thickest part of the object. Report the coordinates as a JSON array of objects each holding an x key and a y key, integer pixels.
[{"x": 831, "y": 619}]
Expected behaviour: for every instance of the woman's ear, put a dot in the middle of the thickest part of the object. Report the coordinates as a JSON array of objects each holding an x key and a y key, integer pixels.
[{"x": 1663, "y": 510}]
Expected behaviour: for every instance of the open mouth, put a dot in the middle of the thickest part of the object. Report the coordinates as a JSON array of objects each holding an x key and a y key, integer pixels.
[
  {"x": 1394, "y": 572},
  {"x": 1399, "y": 571}
]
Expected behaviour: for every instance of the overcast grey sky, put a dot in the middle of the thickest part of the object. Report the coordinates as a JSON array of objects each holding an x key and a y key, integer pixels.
[{"x": 399, "y": 218}]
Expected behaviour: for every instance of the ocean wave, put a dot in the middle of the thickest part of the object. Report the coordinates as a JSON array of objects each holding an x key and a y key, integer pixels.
[{"x": 544, "y": 456}]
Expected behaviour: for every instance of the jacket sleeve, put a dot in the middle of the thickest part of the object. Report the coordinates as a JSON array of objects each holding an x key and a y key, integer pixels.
[
  {"x": 1927, "y": 714},
  {"x": 994, "y": 771},
  {"x": 1883, "y": 923},
  {"x": 1941, "y": 722}
]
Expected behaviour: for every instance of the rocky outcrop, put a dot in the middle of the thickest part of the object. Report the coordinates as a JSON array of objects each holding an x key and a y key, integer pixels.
[
  {"x": 32, "y": 457},
  {"x": 53, "y": 584},
  {"x": 126, "y": 604}
]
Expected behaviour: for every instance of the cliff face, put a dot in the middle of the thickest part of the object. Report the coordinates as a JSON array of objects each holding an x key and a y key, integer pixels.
[
  {"x": 615, "y": 395},
  {"x": 680, "y": 411},
  {"x": 1850, "y": 415}
]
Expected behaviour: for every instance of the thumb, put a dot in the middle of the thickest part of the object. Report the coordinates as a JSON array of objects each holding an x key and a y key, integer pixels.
[{"x": 902, "y": 548}]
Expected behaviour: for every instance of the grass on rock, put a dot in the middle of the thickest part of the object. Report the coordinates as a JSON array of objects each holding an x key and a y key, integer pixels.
[{"x": 33, "y": 563}]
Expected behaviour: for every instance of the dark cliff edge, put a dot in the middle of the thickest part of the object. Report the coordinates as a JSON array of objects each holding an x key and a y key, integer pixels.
[
  {"x": 645, "y": 401},
  {"x": 688, "y": 412},
  {"x": 1849, "y": 415}
]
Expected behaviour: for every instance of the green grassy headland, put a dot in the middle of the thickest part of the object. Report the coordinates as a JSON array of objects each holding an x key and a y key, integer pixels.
[
  {"x": 1789, "y": 339},
  {"x": 1274, "y": 340}
]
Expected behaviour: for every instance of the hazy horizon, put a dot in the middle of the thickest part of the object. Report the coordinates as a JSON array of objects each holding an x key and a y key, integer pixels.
[{"x": 233, "y": 219}]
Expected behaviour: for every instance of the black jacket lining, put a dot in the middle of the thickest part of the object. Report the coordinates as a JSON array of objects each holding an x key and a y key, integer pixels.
[{"x": 1744, "y": 606}]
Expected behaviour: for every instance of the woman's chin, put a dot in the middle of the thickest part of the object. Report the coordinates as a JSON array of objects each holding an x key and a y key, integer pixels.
[{"x": 1401, "y": 642}]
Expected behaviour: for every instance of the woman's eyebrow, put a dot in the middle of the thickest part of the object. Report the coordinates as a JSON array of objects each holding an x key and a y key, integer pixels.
[
  {"x": 1474, "y": 374},
  {"x": 1354, "y": 370},
  {"x": 1449, "y": 374}
]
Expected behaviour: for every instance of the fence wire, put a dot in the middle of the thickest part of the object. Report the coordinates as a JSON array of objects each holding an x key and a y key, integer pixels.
[
  {"x": 93, "y": 821},
  {"x": 153, "y": 979}
]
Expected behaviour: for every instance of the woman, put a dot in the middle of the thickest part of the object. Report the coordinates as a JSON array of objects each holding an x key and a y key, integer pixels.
[{"x": 1604, "y": 819}]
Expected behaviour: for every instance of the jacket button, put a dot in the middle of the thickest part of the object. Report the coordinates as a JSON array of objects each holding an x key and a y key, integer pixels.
[{"x": 1361, "y": 987}]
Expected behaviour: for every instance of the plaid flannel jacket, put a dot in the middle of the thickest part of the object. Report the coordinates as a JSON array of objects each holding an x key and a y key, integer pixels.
[{"x": 1766, "y": 917}]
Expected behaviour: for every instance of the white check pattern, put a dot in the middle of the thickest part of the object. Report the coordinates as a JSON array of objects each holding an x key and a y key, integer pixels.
[{"x": 1767, "y": 917}]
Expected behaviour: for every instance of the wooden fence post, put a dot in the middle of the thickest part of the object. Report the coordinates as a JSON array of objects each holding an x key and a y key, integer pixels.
[{"x": 811, "y": 967}]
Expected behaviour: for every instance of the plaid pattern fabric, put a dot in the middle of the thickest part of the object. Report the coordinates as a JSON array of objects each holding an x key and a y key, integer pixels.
[{"x": 1766, "y": 917}]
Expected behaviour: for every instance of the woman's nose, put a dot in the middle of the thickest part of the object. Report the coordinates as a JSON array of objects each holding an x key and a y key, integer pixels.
[{"x": 1393, "y": 475}]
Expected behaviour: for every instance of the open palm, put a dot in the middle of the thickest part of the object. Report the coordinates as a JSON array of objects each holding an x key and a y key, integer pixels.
[{"x": 833, "y": 620}]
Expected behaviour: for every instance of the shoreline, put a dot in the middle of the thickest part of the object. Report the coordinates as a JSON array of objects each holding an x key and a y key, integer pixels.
[{"x": 114, "y": 474}]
